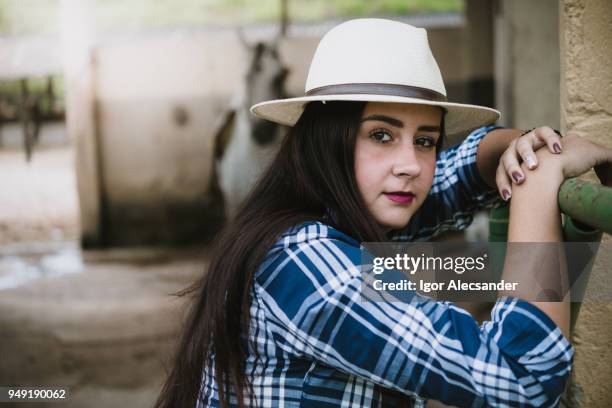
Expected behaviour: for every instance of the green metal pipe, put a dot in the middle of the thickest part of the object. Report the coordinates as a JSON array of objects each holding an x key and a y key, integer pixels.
[
  {"x": 498, "y": 224},
  {"x": 587, "y": 202},
  {"x": 498, "y": 232},
  {"x": 588, "y": 210},
  {"x": 581, "y": 262},
  {"x": 591, "y": 204}
]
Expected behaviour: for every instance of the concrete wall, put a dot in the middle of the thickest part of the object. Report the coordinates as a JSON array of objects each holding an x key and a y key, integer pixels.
[
  {"x": 78, "y": 26},
  {"x": 527, "y": 62},
  {"x": 479, "y": 52},
  {"x": 586, "y": 107},
  {"x": 552, "y": 63},
  {"x": 157, "y": 101}
]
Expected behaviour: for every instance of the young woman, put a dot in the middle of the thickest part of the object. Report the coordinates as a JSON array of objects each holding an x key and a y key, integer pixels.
[{"x": 278, "y": 321}]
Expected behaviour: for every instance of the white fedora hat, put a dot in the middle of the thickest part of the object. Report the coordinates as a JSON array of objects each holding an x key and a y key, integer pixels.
[{"x": 376, "y": 60}]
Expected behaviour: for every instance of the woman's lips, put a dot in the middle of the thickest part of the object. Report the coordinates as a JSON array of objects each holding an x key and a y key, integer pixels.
[{"x": 400, "y": 197}]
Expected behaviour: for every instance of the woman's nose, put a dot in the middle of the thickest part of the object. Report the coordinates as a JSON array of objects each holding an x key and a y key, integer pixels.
[{"x": 406, "y": 163}]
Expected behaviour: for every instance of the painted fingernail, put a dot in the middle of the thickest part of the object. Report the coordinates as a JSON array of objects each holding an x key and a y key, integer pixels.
[
  {"x": 530, "y": 162},
  {"x": 557, "y": 148},
  {"x": 518, "y": 177},
  {"x": 506, "y": 194}
]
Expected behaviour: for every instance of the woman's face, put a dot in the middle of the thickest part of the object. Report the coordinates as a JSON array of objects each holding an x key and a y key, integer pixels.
[{"x": 395, "y": 159}]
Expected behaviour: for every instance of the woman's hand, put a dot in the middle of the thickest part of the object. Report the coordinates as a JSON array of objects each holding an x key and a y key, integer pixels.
[
  {"x": 522, "y": 150},
  {"x": 580, "y": 155}
]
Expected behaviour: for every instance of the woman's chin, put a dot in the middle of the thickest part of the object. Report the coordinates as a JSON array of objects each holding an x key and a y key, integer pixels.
[
  {"x": 395, "y": 222},
  {"x": 392, "y": 216}
]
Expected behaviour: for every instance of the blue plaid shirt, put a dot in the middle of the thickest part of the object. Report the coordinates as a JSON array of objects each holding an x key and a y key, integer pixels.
[{"x": 319, "y": 344}]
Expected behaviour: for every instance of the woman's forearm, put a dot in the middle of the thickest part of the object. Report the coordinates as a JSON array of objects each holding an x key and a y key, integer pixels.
[
  {"x": 534, "y": 207},
  {"x": 535, "y": 218}
]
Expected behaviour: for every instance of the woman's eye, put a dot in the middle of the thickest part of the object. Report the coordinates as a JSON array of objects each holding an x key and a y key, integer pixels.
[
  {"x": 381, "y": 136},
  {"x": 426, "y": 142}
]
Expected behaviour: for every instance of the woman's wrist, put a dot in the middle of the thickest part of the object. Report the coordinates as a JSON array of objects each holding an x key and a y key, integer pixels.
[
  {"x": 550, "y": 167},
  {"x": 546, "y": 180},
  {"x": 534, "y": 212}
]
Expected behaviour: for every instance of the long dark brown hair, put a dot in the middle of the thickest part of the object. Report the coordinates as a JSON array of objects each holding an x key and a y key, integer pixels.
[{"x": 312, "y": 175}]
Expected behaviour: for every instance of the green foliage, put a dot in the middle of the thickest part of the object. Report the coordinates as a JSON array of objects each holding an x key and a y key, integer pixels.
[
  {"x": 12, "y": 89},
  {"x": 50, "y": 106},
  {"x": 42, "y": 16},
  {"x": 29, "y": 16}
]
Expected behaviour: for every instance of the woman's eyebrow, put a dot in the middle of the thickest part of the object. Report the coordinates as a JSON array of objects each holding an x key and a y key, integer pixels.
[
  {"x": 398, "y": 123},
  {"x": 385, "y": 118},
  {"x": 429, "y": 128}
]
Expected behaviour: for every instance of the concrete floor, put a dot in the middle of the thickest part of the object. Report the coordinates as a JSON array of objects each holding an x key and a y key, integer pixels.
[
  {"x": 104, "y": 332},
  {"x": 100, "y": 323}
]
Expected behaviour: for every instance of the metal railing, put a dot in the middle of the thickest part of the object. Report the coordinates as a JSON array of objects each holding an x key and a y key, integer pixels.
[
  {"x": 587, "y": 209},
  {"x": 588, "y": 212},
  {"x": 587, "y": 202},
  {"x": 587, "y": 205}
]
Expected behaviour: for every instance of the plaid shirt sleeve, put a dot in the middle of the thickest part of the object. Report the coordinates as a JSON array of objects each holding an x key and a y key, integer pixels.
[
  {"x": 457, "y": 193},
  {"x": 309, "y": 287}
]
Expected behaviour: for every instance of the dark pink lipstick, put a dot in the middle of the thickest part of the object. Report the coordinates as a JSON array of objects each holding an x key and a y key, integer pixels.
[{"x": 400, "y": 197}]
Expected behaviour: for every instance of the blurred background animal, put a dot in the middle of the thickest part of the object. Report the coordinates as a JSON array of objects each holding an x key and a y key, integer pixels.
[{"x": 245, "y": 144}]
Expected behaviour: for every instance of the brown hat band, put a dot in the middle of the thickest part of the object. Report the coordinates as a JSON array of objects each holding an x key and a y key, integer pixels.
[{"x": 379, "y": 89}]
